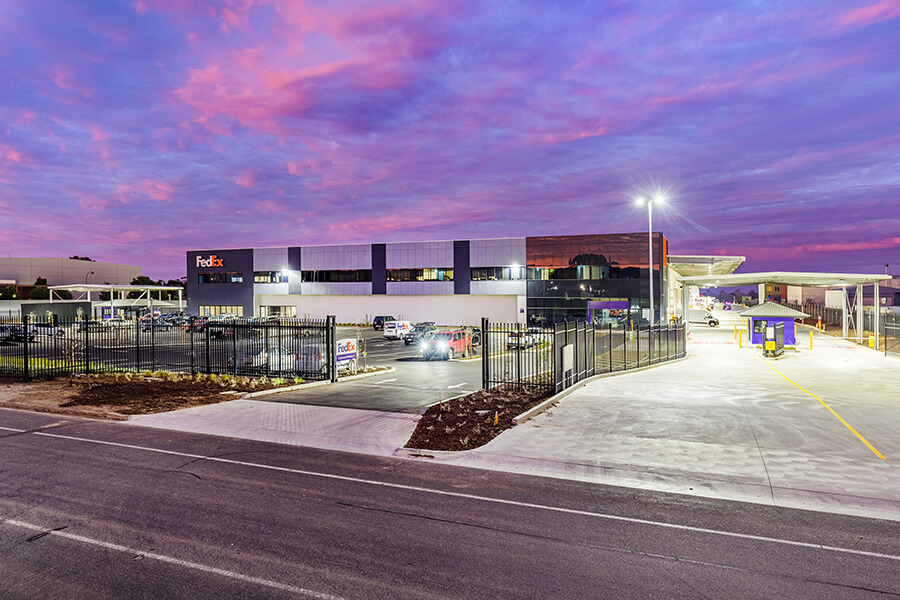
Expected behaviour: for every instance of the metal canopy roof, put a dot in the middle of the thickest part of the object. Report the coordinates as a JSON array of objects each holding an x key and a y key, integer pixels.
[
  {"x": 99, "y": 287},
  {"x": 773, "y": 309},
  {"x": 694, "y": 266},
  {"x": 785, "y": 278}
]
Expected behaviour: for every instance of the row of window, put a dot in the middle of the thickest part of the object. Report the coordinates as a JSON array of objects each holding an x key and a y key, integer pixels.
[
  {"x": 336, "y": 276},
  {"x": 221, "y": 277},
  {"x": 218, "y": 311},
  {"x": 577, "y": 272},
  {"x": 278, "y": 311},
  {"x": 270, "y": 277},
  {"x": 420, "y": 274}
]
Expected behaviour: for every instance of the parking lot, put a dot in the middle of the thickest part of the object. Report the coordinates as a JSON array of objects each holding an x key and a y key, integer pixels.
[{"x": 414, "y": 383}]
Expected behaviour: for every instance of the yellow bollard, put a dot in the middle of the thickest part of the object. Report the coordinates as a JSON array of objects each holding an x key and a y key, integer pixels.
[
  {"x": 810, "y": 339},
  {"x": 735, "y": 332},
  {"x": 741, "y": 342}
]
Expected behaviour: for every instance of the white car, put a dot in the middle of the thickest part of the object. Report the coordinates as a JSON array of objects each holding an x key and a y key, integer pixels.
[
  {"x": 273, "y": 359},
  {"x": 46, "y": 329},
  {"x": 116, "y": 322}
]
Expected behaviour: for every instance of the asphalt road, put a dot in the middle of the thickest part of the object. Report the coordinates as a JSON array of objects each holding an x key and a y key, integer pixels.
[{"x": 101, "y": 510}]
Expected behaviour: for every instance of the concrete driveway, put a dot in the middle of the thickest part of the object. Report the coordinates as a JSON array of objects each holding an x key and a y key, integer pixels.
[{"x": 813, "y": 429}]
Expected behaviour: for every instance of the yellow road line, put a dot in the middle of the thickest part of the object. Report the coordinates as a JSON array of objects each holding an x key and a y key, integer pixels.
[{"x": 847, "y": 425}]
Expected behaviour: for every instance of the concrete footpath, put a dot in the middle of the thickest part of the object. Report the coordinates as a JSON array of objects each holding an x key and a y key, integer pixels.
[{"x": 807, "y": 430}]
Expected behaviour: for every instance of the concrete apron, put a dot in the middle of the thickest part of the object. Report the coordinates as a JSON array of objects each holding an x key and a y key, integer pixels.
[{"x": 727, "y": 423}]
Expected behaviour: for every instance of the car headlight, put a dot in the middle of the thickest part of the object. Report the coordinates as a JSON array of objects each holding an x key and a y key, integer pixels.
[{"x": 443, "y": 345}]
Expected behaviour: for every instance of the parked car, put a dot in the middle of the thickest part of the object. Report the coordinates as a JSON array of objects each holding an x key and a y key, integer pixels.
[
  {"x": 379, "y": 321},
  {"x": 116, "y": 322},
  {"x": 519, "y": 340},
  {"x": 15, "y": 333},
  {"x": 275, "y": 358},
  {"x": 156, "y": 324},
  {"x": 47, "y": 329},
  {"x": 394, "y": 330},
  {"x": 446, "y": 344},
  {"x": 195, "y": 324},
  {"x": 419, "y": 329}
]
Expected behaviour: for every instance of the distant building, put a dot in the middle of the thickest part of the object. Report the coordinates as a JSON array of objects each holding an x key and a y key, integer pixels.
[{"x": 21, "y": 273}]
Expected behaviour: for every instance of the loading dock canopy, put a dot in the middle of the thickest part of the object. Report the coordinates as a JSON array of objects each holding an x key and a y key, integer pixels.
[
  {"x": 695, "y": 266},
  {"x": 784, "y": 278},
  {"x": 824, "y": 280}
]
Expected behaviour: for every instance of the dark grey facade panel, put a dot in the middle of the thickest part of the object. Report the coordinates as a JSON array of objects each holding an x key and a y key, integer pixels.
[
  {"x": 220, "y": 294},
  {"x": 379, "y": 268},
  {"x": 462, "y": 271},
  {"x": 295, "y": 266}
]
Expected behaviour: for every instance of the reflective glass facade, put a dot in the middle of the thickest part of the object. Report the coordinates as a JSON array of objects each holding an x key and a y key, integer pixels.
[{"x": 565, "y": 273}]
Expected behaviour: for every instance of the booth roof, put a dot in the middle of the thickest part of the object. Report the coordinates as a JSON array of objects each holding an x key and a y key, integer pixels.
[{"x": 773, "y": 309}]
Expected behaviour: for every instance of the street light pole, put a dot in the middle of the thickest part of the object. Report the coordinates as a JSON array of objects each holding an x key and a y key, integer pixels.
[
  {"x": 86, "y": 276},
  {"x": 650, "y": 201},
  {"x": 650, "y": 220}
]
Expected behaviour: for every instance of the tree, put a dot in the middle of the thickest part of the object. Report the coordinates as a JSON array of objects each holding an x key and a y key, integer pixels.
[
  {"x": 143, "y": 280},
  {"x": 8, "y": 292},
  {"x": 82, "y": 258},
  {"x": 40, "y": 293},
  {"x": 40, "y": 281}
]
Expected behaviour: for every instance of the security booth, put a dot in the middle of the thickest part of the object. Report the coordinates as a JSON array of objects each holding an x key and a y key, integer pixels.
[
  {"x": 773, "y": 344},
  {"x": 771, "y": 314}
]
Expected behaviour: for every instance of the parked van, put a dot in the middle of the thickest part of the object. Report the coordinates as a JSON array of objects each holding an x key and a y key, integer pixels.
[
  {"x": 701, "y": 315},
  {"x": 394, "y": 330}
]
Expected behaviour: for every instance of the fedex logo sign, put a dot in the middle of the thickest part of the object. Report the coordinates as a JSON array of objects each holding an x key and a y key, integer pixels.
[{"x": 212, "y": 261}]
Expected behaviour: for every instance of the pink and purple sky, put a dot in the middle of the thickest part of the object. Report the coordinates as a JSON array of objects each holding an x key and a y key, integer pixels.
[{"x": 135, "y": 131}]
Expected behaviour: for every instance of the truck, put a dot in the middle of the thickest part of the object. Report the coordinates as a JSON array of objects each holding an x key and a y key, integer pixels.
[{"x": 702, "y": 315}]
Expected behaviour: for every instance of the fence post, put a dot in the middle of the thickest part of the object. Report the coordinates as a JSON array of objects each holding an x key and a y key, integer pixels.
[
  {"x": 208, "y": 361},
  {"x": 485, "y": 354},
  {"x": 137, "y": 344},
  {"x": 332, "y": 357},
  {"x": 190, "y": 333},
  {"x": 26, "y": 371},
  {"x": 87, "y": 338},
  {"x": 610, "y": 346}
]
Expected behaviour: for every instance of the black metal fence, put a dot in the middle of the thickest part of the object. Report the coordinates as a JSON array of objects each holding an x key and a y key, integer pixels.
[
  {"x": 892, "y": 333},
  {"x": 556, "y": 357},
  {"x": 288, "y": 349},
  {"x": 625, "y": 348}
]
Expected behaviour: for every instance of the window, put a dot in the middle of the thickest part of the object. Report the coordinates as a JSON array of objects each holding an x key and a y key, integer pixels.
[
  {"x": 337, "y": 276},
  {"x": 278, "y": 311},
  {"x": 497, "y": 273},
  {"x": 435, "y": 274},
  {"x": 215, "y": 311},
  {"x": 270, "y": 277},
  {"x": 221, "y": 277}
]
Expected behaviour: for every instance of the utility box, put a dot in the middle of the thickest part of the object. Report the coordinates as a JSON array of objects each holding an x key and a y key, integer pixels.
[{"x": 773, "y": 345}]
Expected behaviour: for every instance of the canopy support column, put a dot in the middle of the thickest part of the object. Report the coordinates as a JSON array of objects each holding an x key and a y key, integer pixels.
[
  {"x": 845, "y": 312},
  {"x": 877, "y": 315},
  {"x": 859, "y": 314}
]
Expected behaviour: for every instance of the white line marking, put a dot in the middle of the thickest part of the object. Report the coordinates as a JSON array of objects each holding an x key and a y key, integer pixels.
[
  {"x": 413, "y": 488},
  {"x": 384, "y": 381},
  {"x": 174, "y": 561},
  {"x": 450, "y": 387}
]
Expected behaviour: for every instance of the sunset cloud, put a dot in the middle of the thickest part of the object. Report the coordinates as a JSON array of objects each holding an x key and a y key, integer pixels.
[{"x": 774, "y": 128}]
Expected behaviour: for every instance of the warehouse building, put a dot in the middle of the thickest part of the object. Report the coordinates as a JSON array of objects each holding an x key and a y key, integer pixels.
[{"x": 524, "y": 279}]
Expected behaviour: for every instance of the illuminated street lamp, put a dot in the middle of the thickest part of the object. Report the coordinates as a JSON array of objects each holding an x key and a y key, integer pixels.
[{"x": 650, "y": 201}]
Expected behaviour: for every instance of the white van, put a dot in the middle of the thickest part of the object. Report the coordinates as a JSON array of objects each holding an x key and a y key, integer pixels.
[
  {"x": 701, "y": 315},
  {"x": 394, "y": 330}
]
